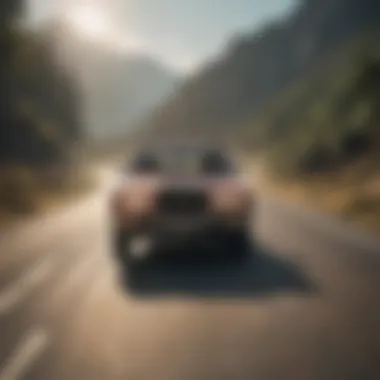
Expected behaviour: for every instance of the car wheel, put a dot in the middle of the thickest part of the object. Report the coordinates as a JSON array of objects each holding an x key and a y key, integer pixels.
[{"x": 240, "y": 245}]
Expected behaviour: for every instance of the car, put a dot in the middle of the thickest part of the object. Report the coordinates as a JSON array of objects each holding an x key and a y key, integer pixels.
[{"x": 180, "y": 195}]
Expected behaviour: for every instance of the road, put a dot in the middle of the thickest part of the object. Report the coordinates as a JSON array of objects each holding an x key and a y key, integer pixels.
[{"x": 307, "y": 307}]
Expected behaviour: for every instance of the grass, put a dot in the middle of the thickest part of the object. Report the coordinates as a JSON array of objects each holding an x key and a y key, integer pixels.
[
  {"x": 25, "y": 193},
  {"x": 349, "y": 194},
  {"x": 72, "y": 190}
]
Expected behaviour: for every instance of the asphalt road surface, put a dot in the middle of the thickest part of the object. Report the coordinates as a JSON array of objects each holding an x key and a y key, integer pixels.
[{"x": 306, "y": 307}]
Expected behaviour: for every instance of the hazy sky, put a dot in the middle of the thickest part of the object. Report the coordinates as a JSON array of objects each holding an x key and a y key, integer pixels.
[{"x": 181, "y": 33}]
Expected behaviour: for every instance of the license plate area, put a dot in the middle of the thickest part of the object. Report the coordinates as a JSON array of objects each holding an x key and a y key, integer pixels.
[
  {"x": 182, "y": 225},
  {"x": 178, "y": 203}
]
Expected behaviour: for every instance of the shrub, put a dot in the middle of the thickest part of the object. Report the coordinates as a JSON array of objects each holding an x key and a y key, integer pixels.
[{"x": 18, "y": 190}]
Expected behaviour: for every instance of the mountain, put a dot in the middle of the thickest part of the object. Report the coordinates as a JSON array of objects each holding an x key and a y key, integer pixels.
[
  {"x": 118, "y": 89},
  {"x": 262, "y": 65},
  {"x": 121, "y": 91}
]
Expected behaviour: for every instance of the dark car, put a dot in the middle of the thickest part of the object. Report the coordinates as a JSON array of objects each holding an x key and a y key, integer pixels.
[{"x": 177, "y": 196}]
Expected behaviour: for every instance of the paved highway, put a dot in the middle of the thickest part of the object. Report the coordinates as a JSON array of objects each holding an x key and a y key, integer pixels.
[{"x": 307, "y": 307}]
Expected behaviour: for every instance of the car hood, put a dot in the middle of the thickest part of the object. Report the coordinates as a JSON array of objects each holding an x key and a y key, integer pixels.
[{"x": 178, "y": 182}]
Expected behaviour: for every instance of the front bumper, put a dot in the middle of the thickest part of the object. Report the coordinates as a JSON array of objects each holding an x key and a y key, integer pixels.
[{"x": 176, "y": 232}]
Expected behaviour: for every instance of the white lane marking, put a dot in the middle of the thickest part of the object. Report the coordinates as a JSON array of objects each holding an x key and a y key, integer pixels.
[
  {"x": 28, "y": 351},
  {"x": 19, "y": 289},
  {"x": 14, "y": 258}
]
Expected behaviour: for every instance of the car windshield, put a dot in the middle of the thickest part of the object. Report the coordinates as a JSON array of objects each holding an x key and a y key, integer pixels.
[
  {"x": 182, "y": 161},
  {"x": 145, "y": 163}
]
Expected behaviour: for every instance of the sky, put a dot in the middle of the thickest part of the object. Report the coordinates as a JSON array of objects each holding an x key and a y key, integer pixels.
[{"x": 182, "y": 34}]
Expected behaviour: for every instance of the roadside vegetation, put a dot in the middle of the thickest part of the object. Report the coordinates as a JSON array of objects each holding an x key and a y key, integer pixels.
[
  {"x": 40, "y": 129},
  {"x": 321, "y": 139}
]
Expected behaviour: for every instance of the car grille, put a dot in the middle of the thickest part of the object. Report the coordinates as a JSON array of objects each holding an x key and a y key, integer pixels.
[{"x": 182, "y": 202}]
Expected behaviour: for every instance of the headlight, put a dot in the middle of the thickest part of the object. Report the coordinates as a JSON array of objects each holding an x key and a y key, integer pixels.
[
  {"x": 139, "y": 202},
  {"x": 134, "y": 198}
]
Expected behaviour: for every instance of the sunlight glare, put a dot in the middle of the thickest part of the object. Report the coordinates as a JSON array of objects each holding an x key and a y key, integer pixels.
[{"x": 89, "y": 21}]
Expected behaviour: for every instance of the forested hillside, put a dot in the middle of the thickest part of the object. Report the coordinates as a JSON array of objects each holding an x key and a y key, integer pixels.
[
  {"x": 258, "y": 68},
  {"x": 324, "y": 122},
  {"x": 40, "y": 129}
]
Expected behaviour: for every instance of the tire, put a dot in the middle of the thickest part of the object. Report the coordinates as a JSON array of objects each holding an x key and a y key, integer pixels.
[{"x": 240, "y": 245}]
